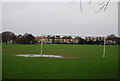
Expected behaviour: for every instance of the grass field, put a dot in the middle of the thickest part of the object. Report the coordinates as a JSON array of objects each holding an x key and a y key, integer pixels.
[{"x": 90, "y": 65}]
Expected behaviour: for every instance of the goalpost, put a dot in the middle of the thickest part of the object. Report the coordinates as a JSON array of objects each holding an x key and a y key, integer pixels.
[
  {"x": 104, "y": 47},
  {"x": 41, "y": 45}
]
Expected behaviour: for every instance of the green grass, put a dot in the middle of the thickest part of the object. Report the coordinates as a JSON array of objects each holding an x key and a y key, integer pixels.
[{"x": 90, "y": 65}]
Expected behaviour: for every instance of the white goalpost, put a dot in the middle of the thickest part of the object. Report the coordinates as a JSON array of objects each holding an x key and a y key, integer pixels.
[
  {"x": 41, "y": 52},
  {"x": 104, "y": 48}
]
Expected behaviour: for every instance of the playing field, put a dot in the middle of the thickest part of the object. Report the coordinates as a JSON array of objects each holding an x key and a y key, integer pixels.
[{"x": 89, "y": 65}]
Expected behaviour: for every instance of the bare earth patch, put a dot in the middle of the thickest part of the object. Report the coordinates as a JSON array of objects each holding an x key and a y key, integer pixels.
[
  {"x": 48, "y": 56},
  {"x": 70, "y": 57}
]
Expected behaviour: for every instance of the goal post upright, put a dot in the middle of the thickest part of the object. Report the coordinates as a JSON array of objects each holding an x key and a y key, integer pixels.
[
  {"x": 104, "y": 48},
  {"x": 41, "y": 45}
]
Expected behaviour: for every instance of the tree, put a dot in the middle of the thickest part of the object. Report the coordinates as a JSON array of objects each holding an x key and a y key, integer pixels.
[
  {"x": 8, "y": 37},
  {"x": 29, "y": 39},
  {"x": 111, "y": 36},
  {"x": 113, "y": 39},
  {"x": 26, "y": 39}
]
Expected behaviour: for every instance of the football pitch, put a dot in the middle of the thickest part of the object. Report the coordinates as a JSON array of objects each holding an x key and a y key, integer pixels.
[{"x": 89, "y": 65}]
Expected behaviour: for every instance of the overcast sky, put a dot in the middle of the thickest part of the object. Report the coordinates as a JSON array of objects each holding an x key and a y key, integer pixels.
[{"x": 63, "y": 18}]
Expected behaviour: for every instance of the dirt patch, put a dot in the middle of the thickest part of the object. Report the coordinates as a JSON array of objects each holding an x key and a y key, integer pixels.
[
  {"x": 70, "y": 57},
  {"x": 48, "y": 56},
  {"x": 66, "y": 57}
]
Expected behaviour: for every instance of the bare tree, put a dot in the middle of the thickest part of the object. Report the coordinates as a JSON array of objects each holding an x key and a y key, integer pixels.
[
  {"x": 81, "y": 6},
  {"x": 102, "y": 3},
  {"x": 8, "y": 37},
  {"x": 103, "y": 6}
]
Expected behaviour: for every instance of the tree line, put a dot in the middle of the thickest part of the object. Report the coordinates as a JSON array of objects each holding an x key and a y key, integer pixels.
[{"x": 9, "y": 37}]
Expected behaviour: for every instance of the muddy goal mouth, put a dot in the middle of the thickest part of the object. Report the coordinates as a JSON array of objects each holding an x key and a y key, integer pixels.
[
  {"x": 43, "y": 55},
  {"x": 48, "y": 56}
]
